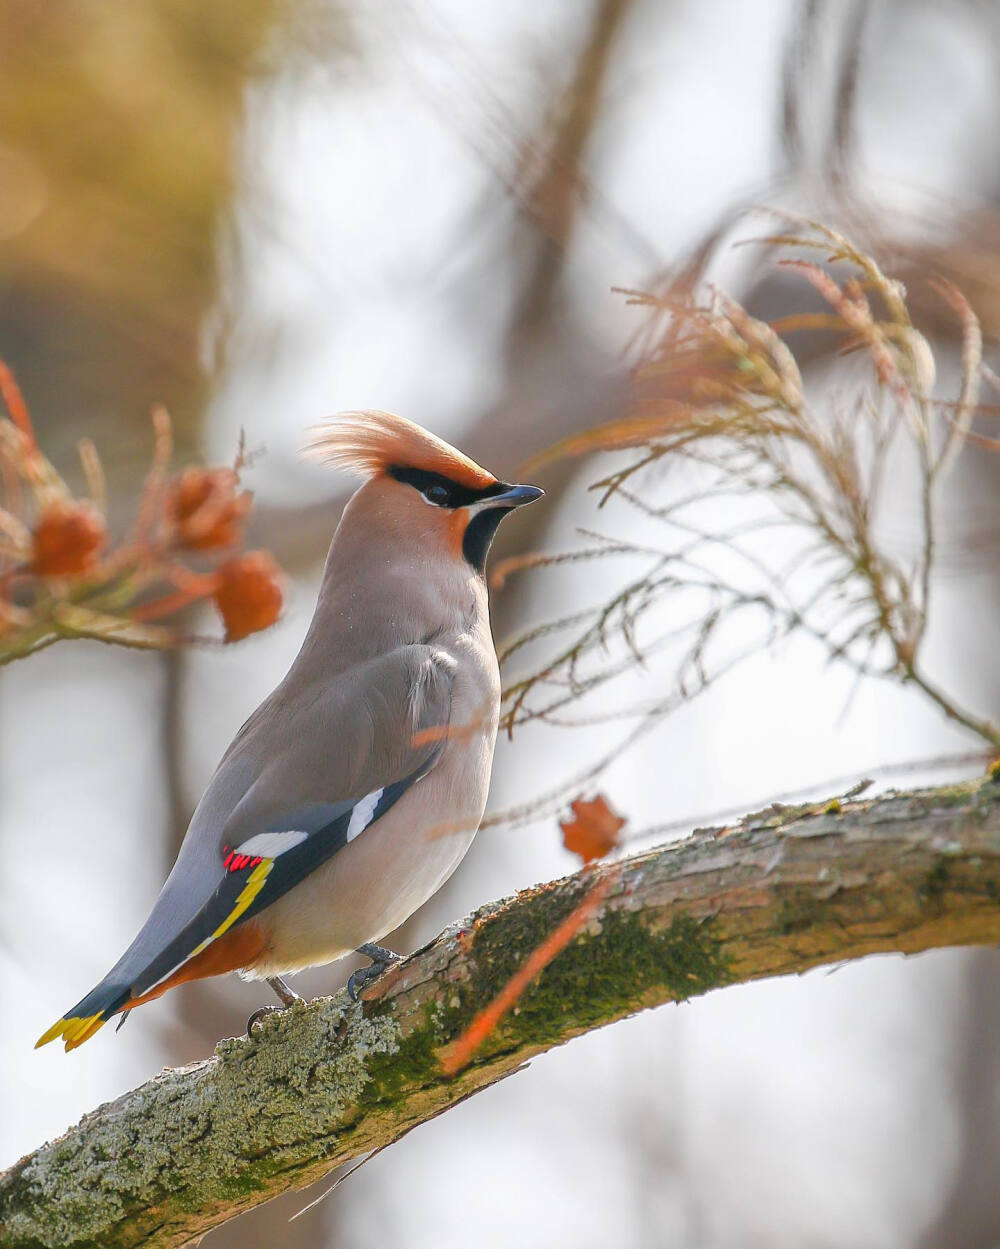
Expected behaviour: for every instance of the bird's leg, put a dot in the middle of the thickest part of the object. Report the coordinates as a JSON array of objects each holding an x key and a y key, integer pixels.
[
  {"x": 381, "y": 960},
  {"x": 285, "y": 993},
  {"x": 379, "y": 954}
]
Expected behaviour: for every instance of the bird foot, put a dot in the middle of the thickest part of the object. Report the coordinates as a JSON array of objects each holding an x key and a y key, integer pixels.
[
  {"x": 260, "y": 1014},
  {"x": 286, "y": 994},
  {"x": 382, "y": 960}
]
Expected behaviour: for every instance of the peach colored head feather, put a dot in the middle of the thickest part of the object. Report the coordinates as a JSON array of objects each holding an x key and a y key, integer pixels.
[{"x": 372, "y": 442}]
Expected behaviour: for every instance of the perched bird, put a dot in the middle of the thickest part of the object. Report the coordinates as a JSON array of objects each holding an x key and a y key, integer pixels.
[{"x": 352, "y": 793}]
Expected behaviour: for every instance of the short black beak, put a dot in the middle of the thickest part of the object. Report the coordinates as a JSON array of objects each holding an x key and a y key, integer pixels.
[{"x": 514, "y": 496}]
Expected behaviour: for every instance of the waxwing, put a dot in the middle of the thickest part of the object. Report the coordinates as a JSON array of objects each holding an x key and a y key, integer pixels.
[{"x": 352, "y": 793}]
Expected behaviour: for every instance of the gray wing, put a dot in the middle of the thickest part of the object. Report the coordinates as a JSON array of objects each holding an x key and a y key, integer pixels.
[{"x": 307, "y": 773}]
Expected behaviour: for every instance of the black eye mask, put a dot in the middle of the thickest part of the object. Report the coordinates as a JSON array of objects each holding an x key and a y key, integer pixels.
[{"x": 457, "y": 495}]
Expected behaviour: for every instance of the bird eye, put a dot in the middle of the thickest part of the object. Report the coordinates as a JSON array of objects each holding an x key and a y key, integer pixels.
[{"x": 438, "y": 495}]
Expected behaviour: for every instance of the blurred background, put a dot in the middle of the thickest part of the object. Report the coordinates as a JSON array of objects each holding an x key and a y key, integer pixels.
[{"x": 260, "y": 214}]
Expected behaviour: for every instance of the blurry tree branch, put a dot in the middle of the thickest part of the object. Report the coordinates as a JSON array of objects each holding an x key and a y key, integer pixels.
[
  {"x": 784, "y": 890},
  {"x": 116, "y": 163},
  {"x": 550, "y": 185},
  {"x": 555, "y": 383}
]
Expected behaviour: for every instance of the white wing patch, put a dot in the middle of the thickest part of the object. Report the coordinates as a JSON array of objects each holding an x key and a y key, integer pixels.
[
  {"x": 270, "y": 845},
  {"x": 364, "y": 810}
]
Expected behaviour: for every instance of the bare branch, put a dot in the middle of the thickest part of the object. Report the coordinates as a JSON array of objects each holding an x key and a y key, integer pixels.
[{"x": 720, "y": 402}]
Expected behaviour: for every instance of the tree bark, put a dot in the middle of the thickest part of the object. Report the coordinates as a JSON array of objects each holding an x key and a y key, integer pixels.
[{"x": 785, "y": 890}]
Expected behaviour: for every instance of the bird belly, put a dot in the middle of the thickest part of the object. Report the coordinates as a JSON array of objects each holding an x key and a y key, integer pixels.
[{"x": 377, "y": 881}]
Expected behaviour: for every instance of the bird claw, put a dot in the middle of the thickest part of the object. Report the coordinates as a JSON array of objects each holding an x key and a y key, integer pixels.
[
  {"x": 382, "y": 960},
  {"x": 362, "y": 978},
  {"x": 286, "y": 994},
  {"x": 260, "y": 1014}
]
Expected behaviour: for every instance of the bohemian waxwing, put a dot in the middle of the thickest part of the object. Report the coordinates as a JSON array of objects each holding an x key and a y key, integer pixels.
[{"x": 353, "y": 792}]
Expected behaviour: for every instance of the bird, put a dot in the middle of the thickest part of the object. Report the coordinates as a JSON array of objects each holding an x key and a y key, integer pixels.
[{"x": 355, "y": 789}]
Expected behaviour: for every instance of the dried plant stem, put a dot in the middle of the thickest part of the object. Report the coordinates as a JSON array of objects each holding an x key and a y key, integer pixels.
[
  {"x": 984, "y": 728},
  {"x": 720, "y": 397}
]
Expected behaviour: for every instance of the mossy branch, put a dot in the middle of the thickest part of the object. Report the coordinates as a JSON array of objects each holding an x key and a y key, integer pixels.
[{"x": 784, "y": 890}]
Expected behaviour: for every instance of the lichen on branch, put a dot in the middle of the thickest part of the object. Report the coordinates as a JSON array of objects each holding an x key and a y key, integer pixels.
[{"x": 781, "y": 891}]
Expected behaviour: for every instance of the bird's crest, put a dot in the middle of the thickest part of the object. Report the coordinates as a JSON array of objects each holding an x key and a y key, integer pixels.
[{"x": 374, "y": 442}]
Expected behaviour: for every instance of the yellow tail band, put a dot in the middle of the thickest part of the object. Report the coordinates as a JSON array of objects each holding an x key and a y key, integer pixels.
[{"x": 74, "y": 1031}]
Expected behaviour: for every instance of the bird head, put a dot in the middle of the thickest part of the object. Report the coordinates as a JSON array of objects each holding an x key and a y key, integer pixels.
[{"x": 417, "y": 485}]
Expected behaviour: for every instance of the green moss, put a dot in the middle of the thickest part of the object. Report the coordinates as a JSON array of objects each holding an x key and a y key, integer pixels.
[
  {"x": 412, "y": 1064},
  {"x": 931, "y": 891},
  {"x": 962, "y": 794},
  {"x": 505, "y": 936},
  {"x": 595, "y": 980},
  {"x": 798, "y": 911},
  {"x": 249, "y": 1180}
]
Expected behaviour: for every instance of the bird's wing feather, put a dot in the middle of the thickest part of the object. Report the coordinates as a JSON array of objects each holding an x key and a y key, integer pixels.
[
  {"x": 326, "y": 768},
  {"x": 265, "y": 866},
  {"x": 296, "y": 786}
]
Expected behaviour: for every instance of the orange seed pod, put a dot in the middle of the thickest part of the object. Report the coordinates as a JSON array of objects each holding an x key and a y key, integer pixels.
[
  {"x": 205, "y": 508},
  {"x": 67, "y": 538},
  {"x": 248, "y": 594}
]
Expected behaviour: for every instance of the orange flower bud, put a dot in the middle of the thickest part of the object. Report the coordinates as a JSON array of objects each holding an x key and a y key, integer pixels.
[
  {"x": 67, "y": 538},
  {"x": 205, "y": 508},
  {"x": 248, "y": 594}
]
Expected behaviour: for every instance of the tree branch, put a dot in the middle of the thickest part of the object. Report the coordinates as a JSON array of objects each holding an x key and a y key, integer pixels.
[{"x": 785, "y": 890}]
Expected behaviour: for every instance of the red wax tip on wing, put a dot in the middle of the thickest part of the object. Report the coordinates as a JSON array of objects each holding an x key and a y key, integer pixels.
[{"x": 235, "y": 862}]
